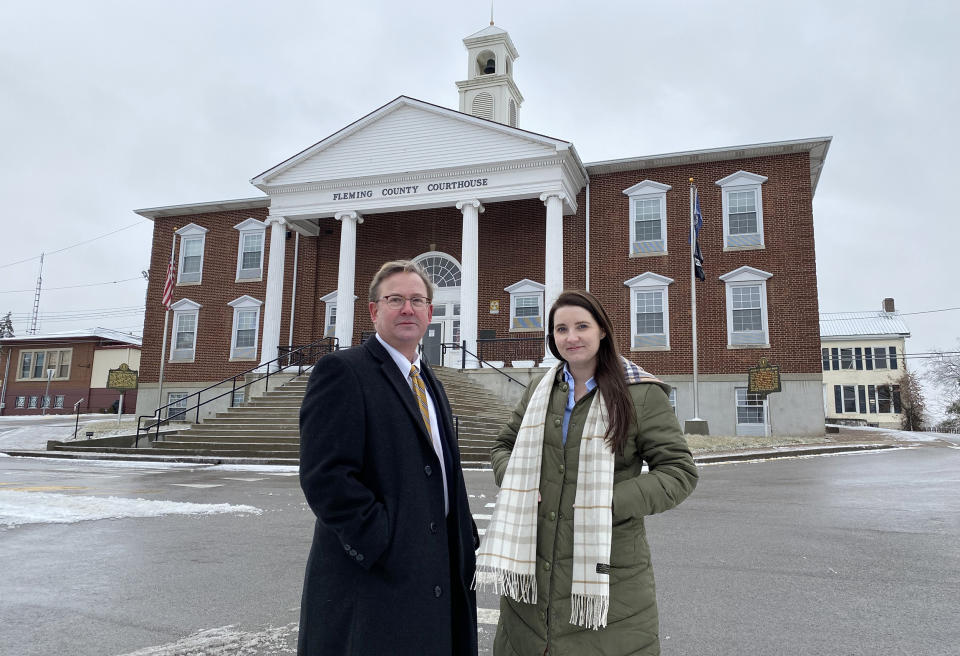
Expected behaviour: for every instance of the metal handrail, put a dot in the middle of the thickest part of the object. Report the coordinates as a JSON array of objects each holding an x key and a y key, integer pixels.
[
  {"x": 332, "y": 344},
  {"x": 444, "y": 346}
]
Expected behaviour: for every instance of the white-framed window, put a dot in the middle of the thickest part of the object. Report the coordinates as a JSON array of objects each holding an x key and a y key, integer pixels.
[
  {"x": 246, "y": 328},
  {"x": 747, "y": 325},
  {"x": 880, "y": 357},
  {"x": 250, "y": 249},
  {"x": 751, "y": 413},
  {"x": 21, "y": 401},
  {"x": 178, "y": 404},
  {"x": 58, "y": 400},
  {"x": 526, "y": 306},
  {"x": 34, "y": 364},
  {"x": 846, "y": 358},
  {"x": 46, "y": 402},
  {"x": 190, "y": 267},
  {"x": 649, "y": 312},
  {"x": 33, "y": 401},
  {"x": 648, "y": 218},
  {"x": 330, "y": 314},
  {"x": 183, "y": 341},
  {"x": 742, "y": 210},
  {"x": 673, "y": 399}
]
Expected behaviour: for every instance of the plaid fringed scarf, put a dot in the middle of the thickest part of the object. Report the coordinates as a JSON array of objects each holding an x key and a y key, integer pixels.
[{"x": 507, "y": 558}]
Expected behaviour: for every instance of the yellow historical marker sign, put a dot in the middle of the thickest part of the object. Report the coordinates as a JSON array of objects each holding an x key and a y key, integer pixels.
[
  {"x": 123, "y": 378},
  {"x": 764, "y": 378}
]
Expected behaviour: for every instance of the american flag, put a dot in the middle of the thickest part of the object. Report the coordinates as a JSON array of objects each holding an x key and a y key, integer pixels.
[{"x": 167, "y": 299}]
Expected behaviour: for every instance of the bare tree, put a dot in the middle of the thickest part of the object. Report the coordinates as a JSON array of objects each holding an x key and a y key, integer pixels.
[
  {"x": 944, "y": 372},
  {"x": 911, "y": 402},
  {"x": 6, "y": 326}
]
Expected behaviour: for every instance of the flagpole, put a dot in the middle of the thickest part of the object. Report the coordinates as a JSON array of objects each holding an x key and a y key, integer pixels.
[
  {"x": 163, "y": 344},
  {"x": 693, "y": 298}
]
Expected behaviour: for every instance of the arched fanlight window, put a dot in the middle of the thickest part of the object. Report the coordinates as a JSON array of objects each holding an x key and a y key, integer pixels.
[{"x": 443, "y": 271}]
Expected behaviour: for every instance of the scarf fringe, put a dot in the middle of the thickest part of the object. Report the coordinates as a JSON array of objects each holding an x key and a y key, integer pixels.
[
  {"x": 589, "y": 611},
  {"x": 519, "y": 587}
]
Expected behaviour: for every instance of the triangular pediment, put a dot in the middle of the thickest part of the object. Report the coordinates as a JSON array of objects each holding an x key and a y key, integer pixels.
[{"x": 408, "y": 135}]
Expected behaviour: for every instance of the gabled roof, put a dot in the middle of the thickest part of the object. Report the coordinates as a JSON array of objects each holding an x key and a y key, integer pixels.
[
  {"x": 269, "y": 177},
  {"x": 873, "y": 323},
  {"x": 100, "y": 333}
]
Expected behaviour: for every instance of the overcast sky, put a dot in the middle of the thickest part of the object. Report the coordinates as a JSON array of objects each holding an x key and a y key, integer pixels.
[{"x": 106, "y": 107}]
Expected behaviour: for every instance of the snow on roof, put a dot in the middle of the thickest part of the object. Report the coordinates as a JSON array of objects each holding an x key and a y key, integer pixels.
[
  {"x": 102, "y": 333},
  {"x": 852, "y": 324}
]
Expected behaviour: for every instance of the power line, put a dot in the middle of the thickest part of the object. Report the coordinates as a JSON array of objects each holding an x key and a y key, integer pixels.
[
  {"x": 79, "y": 243},
  {"x": 89, "y": 284}
]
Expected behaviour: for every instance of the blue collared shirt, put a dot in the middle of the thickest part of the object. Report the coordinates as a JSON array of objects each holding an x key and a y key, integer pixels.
[{"x": 568, "y": 377}]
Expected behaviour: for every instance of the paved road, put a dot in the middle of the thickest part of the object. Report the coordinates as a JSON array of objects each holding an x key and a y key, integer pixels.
[{"x": 848, "y": 555}]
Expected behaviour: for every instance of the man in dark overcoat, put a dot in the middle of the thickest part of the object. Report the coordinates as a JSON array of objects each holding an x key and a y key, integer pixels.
[{"x": 392, "y": 559}]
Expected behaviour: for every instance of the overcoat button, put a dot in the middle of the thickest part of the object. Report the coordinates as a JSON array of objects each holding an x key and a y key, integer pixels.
[
  {"x": 353, "y": 552},
  {"x": 552, "y": 515},
  {"x": 433, "y": 527},
  {"x": 561, "y": 469},
  {"x": 546, "y": 566},
  {"x": 346, "y": 547},
  {"x": 359, "y": 557},
  {"x": 563, "y": 388},
  {"x": 428, "y": 470},
  {"x": 437, "y": 591},
  {"x": 557, "y": 422}
]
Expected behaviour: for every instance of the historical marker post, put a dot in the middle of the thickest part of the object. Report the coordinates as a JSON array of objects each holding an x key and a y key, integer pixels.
[{"x": 122, "y": 379}]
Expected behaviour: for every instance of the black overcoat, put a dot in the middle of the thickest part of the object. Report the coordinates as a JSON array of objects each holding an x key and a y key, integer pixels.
[{"x": 387, "y": 572}]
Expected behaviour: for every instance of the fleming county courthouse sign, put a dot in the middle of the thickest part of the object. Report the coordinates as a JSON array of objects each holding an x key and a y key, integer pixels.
[{"x": 504, "y": 219}]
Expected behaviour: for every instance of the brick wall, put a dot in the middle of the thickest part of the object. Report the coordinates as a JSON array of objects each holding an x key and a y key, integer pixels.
[{"x": 512, "y": 248}]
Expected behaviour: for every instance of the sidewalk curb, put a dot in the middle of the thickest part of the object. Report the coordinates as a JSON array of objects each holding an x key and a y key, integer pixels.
[{"x": 703, "y": 459}]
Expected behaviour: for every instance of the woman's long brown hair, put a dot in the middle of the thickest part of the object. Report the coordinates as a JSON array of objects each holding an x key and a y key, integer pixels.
[{"x": 609, "y": 375}]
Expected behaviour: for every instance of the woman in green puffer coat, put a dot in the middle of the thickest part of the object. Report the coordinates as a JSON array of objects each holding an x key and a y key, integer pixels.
[{"x": 566, "y": 546}]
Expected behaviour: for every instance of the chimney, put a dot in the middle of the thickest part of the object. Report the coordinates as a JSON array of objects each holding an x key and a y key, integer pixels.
[{"x": 888, "y": 305}]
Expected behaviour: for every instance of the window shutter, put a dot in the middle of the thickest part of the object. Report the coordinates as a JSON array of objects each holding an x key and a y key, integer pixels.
[
  {"x": 838, "y": 398},
  {"x": 862, "y": 393},
  {"x": 836, "y": 359},
  {"x": 896, "y": 397},
  {"x": 893, "y": 357},
  {"x": 868, "y": 354},
  {"x": 859, "y": 355},
  {"x": 825, "y": 354}
]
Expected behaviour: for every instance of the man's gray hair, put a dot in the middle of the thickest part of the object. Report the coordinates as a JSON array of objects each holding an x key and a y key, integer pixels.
[{"x": 399, "y": 266}]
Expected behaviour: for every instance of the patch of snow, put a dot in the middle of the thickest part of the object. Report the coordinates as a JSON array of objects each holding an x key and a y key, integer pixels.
[
  {"x": 227, "y": 640},
  {"x": 18, "y": 508}
]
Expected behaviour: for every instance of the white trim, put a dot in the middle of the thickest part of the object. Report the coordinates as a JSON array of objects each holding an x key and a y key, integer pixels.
[
  {"x": 647, "y": 190},
  {"x": 245, "y": 304},
  {"x": 250, "y": 226},
  {"x": 526, "y": 288},
  {"x": 183, "y": 308},
  {"x": 738, "y": 182},
  {"x": 191, "y": 231},
  {"x": 649, "y": 282},
  {"x": 741, "y": 277}
]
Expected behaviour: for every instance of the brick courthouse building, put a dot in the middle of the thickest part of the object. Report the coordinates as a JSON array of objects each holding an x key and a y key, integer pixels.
[{"x": 503, "y": 219}]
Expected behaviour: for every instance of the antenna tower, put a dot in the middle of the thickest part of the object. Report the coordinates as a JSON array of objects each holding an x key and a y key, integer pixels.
[{"x": 36, "y": 300}]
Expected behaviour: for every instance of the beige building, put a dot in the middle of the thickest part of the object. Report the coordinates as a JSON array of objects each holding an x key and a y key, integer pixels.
[{"x": 863, "y": 360}]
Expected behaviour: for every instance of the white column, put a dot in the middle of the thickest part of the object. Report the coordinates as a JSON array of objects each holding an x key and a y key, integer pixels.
[
  {"x": 346, "y": 279},
  {"x": 273, "y": 304},
  {"x": 469, "y": 279},
  {"x": 553, "y": 271}
]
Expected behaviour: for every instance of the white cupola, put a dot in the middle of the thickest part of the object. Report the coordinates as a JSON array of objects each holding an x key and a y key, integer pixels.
[{"x": 489, "y": 90}]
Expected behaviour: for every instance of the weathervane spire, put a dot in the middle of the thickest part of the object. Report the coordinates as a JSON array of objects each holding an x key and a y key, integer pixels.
[{"x": 491, "y": 12}]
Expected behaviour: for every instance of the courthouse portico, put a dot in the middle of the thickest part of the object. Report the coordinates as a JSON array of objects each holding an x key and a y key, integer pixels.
[{"x": 409, "y": 156}]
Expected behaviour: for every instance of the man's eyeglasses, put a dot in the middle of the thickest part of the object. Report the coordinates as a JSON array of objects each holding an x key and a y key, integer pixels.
[{"x": 396, "y": 301}]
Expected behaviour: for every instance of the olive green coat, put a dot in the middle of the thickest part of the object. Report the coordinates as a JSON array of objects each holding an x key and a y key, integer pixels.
[{"x": 632, "y": 622}]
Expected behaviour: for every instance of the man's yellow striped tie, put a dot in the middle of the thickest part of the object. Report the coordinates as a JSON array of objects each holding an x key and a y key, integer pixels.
[{"x": 421, "y": 393}]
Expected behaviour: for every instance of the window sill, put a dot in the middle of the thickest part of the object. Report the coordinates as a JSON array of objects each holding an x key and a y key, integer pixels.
[
  {"x": 754, "y": 247},
  {"x": 188, "y": 284},
  {"x": 526, "y": 330},
  {"x": 172, "y": 361},
  {"x": 243, "y": 359},
  {"x": 747, "y": 346},
  {"x": 257, "y": 279},
  {"x": 636, "y": 349},
  {"x": 655, "y": 254}
]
